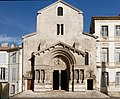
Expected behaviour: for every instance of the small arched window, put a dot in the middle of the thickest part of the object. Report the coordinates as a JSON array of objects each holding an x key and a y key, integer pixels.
[{"x": 60, "y": 11}]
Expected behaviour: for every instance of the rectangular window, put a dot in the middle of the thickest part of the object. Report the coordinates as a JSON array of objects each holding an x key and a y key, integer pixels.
[
  {"x": 104, "y": 30},
  {"x": 118, "y": 78},
  {"x": 60, "y": 29},
  {"x": 2, "y": 73},
  {"x": 13, "y": 74},
  {"x": 105, "y": 55},
  {"x": 12, "y": 89},
  {"x": 117, "y": 56},
  {"x": 117, "y": 30},
  {"x": 105, "y": 79},
  {"x": 2, "y": 58},
  {"x": 14, "y": 58}
]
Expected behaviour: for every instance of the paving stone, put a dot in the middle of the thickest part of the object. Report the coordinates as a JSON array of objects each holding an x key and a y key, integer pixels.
[{"x": 62, "y": 94}]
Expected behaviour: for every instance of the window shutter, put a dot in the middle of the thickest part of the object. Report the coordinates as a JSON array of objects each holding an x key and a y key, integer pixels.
[{"x": 6, "y": 73}]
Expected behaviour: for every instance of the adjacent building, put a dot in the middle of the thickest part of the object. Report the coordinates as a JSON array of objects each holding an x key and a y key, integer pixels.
[
  {"x": 4, "y": 85},
  {"x": 15, "y": 70},
  {"x": 10, "y": 70},
  {"x": 107, "y": 28}
]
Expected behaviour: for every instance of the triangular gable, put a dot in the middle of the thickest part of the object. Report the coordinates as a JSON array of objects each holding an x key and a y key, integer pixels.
[
  {"x": 29, "y": 35},
  {"x": 61, "y": 1},
  {"x": 91, "y": 35},
  {"x": 64, "y": 46}
]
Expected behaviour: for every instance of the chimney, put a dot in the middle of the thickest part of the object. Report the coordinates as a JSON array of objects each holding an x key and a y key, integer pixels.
[
  {"x": 4, "y": 44},
  {"x": 13, "y": 45}
]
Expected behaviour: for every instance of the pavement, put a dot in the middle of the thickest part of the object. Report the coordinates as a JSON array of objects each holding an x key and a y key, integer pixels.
[{"x": 61, "y": 94}]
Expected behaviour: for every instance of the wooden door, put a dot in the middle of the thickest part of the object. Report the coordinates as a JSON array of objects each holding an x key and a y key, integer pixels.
[
  {"x": 56, "y": 80},
  {"x": 29, "y": 84},
  {"x": 63, "y": 80},
  {"x": 90, "y": 84}
]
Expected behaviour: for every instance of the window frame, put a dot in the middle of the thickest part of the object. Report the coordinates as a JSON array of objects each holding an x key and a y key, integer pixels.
[
  {"x": 116, "y": 54},
  {"x": 118, "y": 79},
  {"x": 105, "y": 79},
  {"x": 2, "y": 73},
  {"x": 14, "y": 57},
  {"x": 12, "y": 91},
  {"x": 116, "y": 30},
  {"x": 3, "y": 58},
  {"x": 60, "y": 11},
  {"x": 105, "y": 54},
  {"x": 103, "y": 31},
  {"x": 60, "y": 29}
]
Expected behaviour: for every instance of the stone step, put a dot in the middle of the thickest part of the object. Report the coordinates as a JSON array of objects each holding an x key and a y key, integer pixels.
[{"x": 62, "y": 94}]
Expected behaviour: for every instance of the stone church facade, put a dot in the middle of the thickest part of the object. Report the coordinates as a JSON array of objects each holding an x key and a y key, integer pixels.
[{"x": 59, "y": 55}]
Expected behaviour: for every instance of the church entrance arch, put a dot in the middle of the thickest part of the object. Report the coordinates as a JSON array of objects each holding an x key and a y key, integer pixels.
[
  {"x": 61, "y": 62},
  {"x": 61, "y": 73},
  {"x": 60, "y": 80}
]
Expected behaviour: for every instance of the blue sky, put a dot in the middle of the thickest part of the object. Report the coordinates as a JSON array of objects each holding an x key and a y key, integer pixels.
[{"x": 18, "y": 18}]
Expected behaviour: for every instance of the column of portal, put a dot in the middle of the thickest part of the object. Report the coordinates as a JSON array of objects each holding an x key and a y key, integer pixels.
[
  {"x": 59, "y": 79},
  {"x": 37, "y": 76},
  {"x": 81, "y": 76}
]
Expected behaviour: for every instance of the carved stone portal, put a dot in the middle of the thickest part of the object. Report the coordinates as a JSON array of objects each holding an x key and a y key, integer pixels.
[
  {"x": 40, "y": 76},
  {"x": 78, "y": 76},
  {"x": 89, "y": 73},
  {"x": 81, "y": 76},
  {"x": 37, "y": 76},
  {"x": 59, "y": 63}
]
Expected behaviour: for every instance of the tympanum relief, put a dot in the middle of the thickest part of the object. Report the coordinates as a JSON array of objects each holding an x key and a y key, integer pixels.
[{"x": 58, "y": 63}]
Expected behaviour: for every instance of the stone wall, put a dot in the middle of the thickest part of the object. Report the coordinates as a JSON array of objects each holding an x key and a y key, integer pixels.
[{"x": 46, "y": 36}]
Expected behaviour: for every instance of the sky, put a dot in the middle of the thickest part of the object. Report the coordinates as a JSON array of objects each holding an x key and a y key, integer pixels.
[{"x": 18, "y": 18}]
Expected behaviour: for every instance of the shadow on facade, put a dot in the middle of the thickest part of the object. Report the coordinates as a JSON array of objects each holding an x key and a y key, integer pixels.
[
  {"x": 32, "y": 71},
  {"x": 5, "y": 91},
  {"x": 73, "y": 78},
  {"x": 104, "y": 79}
]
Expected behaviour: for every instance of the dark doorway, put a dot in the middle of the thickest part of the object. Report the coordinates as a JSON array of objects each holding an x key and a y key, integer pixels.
[
  {"x": 63, "y": 80},
  {"x": 29, "y": 84},
  {"x": 90, "y": 84},
  {"x": 60, "y": 81},
  {"x": 56, "y": 80}
]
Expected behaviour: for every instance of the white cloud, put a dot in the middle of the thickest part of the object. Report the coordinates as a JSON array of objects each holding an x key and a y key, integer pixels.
[
  {"x": 11, "y": 22},
  {"x": 9, "y": 39}
]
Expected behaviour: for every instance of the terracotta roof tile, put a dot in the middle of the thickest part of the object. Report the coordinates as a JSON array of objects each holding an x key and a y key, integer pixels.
[{"x": 9, "y": 48}]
